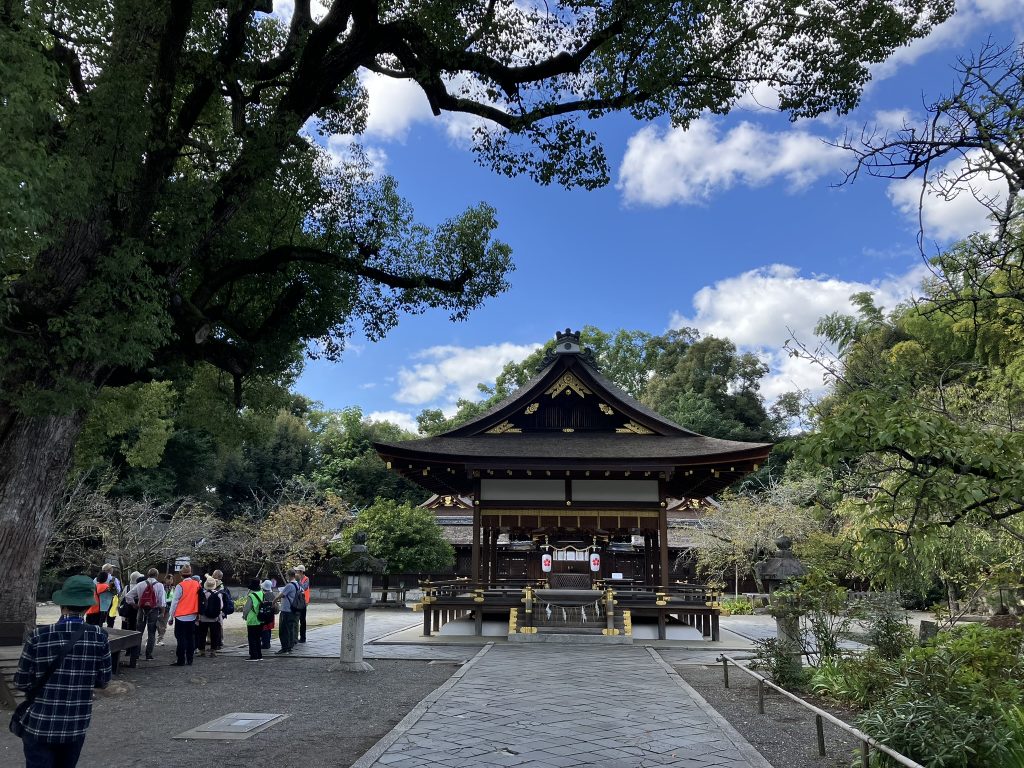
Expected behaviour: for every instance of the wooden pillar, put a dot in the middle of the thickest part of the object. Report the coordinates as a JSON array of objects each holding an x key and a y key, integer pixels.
[
  {"x": 475, "y": 567},
  {"x": 663, "y": 545},
  {"x": 495, "y": 532}
]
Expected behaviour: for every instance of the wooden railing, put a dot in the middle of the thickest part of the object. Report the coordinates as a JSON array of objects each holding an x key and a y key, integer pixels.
[
  {"x": 820, "y": 715},
  {"x": 443, "y": 601}
]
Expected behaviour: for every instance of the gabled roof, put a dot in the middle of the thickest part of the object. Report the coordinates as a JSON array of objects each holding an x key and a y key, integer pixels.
[
  {"x": 571, "y": 417},
  {"x": 572, "y": 377}
]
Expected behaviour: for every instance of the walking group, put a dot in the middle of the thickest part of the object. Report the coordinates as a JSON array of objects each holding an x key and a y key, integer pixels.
[
  {"x": 264, "y": 605},
  {"x": 62, "y": 663}
]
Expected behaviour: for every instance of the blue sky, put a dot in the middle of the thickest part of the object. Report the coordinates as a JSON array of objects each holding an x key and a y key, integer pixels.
[{"x": 736, "y": 227}]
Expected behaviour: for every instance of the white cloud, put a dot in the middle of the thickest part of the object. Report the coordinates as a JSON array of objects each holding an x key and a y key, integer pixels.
[
  {"x": 394, "y": 105},
  {"x": 405, "y": 420},
  {"x": 970, "y": 16},
  {"x": 340, "y": 148},
  {"x": 956, "y": 205},
  {"x": 759, "y": 310},
  {"x": 690, "y": 166},
  {"x": 452, "y": 372}
]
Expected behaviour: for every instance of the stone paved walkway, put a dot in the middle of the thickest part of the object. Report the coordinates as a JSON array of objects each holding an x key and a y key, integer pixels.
[
  {"x": 324, "y": 642},
  {"x": 548, "y": 706}
]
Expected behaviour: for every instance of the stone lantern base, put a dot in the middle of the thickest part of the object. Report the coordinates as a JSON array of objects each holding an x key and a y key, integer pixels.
[{"x": 350, "y": 666}]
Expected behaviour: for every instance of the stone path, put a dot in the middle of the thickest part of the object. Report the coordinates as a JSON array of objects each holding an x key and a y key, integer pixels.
[
  {"x": 545, "y": 707},
  {"x": 324, "y": 642}
]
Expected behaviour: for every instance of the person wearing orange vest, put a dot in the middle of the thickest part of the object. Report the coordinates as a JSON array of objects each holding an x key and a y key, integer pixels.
[
  {"x": 183, "y": 614},
  {"x": 94, "y": 615},
  {"x": 304, "y": 586}
]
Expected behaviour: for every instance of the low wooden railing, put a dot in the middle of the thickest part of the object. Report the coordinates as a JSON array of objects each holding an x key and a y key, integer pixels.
[
  {"x": 446, "y": 600},
  {"x": 820, "y": 715}
]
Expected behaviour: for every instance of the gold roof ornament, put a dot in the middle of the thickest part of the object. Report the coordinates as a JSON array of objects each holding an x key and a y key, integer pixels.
[{"x": 567, "y": 384}]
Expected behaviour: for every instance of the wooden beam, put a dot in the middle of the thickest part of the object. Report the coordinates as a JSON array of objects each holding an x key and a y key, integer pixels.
[
  {"x": 475, "y": 568},
  {"x": 663, "y": 546}
]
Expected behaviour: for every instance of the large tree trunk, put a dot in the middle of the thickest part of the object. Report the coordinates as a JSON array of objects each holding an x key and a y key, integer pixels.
[{"x": 35, "y": 456}]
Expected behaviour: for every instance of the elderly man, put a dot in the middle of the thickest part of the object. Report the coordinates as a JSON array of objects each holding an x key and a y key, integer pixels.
[
  {"x": 303, "y": 582},
  {"x": 59, "y": 666},
  {"x": 151, "y": 602},
  {"x": 291, "y": 601}
]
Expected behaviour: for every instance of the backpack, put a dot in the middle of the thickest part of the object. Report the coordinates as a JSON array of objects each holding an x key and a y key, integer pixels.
[
  {"x": 229, "y": 602},
  {"x": 265, "y": 610},
  {"x": 148, "y": 597},
  {"x": 298, "y": 599},
  {"x": 106, "y": 600},
  {"x": 209, "y": 607}
]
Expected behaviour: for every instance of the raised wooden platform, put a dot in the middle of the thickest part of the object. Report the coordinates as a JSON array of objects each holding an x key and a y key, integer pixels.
[{"x": 691, "y": 605}]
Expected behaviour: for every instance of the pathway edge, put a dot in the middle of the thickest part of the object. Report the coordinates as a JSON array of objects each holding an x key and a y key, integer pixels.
[
  {"x": 370, "y": 756},
  {"x": 745, "y": 748}
]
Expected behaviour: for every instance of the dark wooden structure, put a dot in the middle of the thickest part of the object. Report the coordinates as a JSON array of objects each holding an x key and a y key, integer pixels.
[{"x": 567, "y": 468}]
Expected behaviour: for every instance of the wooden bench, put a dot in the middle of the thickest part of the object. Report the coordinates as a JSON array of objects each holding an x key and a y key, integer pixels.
[{"x": 12, "y": 638}]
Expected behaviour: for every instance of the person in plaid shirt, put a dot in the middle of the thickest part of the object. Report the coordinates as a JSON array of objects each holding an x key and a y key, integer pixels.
[{"x": 55, "y": 724}]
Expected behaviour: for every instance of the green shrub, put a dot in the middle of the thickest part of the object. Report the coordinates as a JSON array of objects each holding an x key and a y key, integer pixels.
[
  {"x": 738, "y": 607},
  {"x": 781, "y": 659},
  {"x": 886, "y": 625},
  {"x": 1013, "y": 721},
  {"x": 945, "y": 705},
  {"x": 853, "y": 681}
]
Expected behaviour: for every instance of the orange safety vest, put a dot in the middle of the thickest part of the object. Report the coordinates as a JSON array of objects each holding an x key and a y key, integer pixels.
[
  {"x": 95, "y": 607},
  {"x": 188, "y": 603},
  {"x": 305, "y": 587}
]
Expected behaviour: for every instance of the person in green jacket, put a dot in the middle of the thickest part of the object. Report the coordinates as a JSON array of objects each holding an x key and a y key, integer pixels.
[{"x": 253, "y": 627}]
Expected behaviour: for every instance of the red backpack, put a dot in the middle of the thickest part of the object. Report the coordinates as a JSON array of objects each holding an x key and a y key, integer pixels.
[{"x": 148, "y": 598}]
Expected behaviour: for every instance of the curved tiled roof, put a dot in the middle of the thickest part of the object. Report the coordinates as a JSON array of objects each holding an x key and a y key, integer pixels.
[{"x": 571, "y": 446}]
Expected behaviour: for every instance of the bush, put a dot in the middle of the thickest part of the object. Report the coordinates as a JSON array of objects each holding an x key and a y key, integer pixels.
[
  {"x": 1013, "y": 720},
  {"x": 886, "y": 624},
  {"x": 947, "y": 701},
  {"x": 738, "y": 607},
  {"x": 781, "y": 659},
  {"x": 853, "y": 681}
]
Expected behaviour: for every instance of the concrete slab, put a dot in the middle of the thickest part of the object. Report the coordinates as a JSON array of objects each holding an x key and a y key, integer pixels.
[{"x": 233, "y": 727}]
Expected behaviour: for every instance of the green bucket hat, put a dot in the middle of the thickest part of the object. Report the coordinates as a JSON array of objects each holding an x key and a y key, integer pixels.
[{"x": 77, "y": 592}]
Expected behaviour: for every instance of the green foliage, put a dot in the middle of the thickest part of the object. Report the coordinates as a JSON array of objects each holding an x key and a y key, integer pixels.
[
  {"x": 710, "y": 388},
  {"x": 780, "y": 659},
  {"x": 346, "y": 463},
  {"x": 856, "y": 681},
  {"x": 825, "y": 616},
  {"x": 738, "y": 607},
  {"x": 885, "y": 622},
  {"x": 407, "y": 537},
  {"x": 741, "y": 529},
  {"x": 946, "y": 702}
]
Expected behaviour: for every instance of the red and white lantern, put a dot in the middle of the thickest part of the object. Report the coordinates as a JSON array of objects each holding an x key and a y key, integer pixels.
[
  {"x": 545, "y": 562},
  {"x": 595, "y": 562}
]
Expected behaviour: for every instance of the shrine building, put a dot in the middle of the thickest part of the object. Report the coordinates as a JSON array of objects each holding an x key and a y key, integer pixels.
[{"x": 570, "y": 481}]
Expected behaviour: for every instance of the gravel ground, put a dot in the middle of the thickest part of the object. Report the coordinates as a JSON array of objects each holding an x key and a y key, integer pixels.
[
  {"x": 333, "y": 717},
  {"x": 785, "y": 734}
]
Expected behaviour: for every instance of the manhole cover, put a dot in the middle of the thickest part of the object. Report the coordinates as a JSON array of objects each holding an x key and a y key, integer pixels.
[{"x": 233, "y": 726}]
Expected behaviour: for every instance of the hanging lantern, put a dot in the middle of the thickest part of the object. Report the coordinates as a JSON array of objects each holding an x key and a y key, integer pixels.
[
  {"x": 545, "y": 562},
  {"x": 595, "y": 562}
]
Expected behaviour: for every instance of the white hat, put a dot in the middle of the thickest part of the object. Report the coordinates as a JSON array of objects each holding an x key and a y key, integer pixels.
[
  {"x": 300, "y": 568},
  {"x": 268, "y": 584}
]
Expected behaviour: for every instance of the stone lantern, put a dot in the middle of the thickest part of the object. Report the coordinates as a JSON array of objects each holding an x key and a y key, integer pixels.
[
  {"x": 776, "y": 572},
  {"x": 356, "y": 569}
]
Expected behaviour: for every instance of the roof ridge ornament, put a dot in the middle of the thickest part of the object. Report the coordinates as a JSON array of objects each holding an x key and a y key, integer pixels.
[{"x": 568, "y": 342}]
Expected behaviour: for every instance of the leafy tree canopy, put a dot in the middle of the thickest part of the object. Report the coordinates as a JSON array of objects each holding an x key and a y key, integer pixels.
[
  {"x": 407, "y": 537},
  {"x": 160, "y": 205},
  {"x": 345, "y": 463}
]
